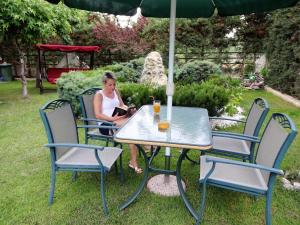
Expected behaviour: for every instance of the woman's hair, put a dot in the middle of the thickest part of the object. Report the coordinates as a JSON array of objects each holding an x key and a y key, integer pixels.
[{"x": 107, "y": 76}]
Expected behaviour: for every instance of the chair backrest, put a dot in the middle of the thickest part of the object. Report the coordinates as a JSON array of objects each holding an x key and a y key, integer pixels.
[
  {"x": 256, "y": 117},
  {"x": 276, "y": 139},
  {"x": 86, "y": 99},
  {"x": 60, "y": 124}
]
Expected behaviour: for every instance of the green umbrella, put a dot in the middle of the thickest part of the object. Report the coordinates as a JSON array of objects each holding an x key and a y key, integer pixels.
[{"x": 185, "y": 8}]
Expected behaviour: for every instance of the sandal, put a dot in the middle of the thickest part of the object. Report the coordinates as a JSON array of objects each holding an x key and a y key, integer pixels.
[{"x": 135, "y": 168}]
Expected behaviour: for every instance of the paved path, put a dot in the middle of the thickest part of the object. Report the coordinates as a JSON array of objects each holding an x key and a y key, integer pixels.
[{"x": 285, "y": 97}]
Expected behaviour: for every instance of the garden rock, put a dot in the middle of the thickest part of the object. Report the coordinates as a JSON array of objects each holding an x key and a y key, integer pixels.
[
  {"x": 291, "y": 180},
  {"x": 297, "y": 186},
  {"x": 216, "y": 124},
  {"x": 154, "y": 72},
  {"x": 287, "y": 184}
]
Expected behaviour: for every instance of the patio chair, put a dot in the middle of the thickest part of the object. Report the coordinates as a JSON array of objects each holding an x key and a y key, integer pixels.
[
  {"x": 66, "y": 152},
  {"x": 252, "y": 178},
  {"x": 87, "y": 110},
  {"x": 241, "y": 145}
]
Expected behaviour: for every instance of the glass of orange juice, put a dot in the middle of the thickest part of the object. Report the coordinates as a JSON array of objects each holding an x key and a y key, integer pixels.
[
  {"x": 156, "y": 106},
  {"x": 163, "y": 125}
]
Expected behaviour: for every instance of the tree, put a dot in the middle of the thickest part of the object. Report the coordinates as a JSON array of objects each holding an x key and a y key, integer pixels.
[
  {"x": 24, "y": 23},
  {"x": 116, "y": 39},
  {"x": 283, "y": 51}
]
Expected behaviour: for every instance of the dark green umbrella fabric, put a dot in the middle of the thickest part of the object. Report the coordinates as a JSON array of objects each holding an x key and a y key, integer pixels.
[{"x": 185, "y": 8}]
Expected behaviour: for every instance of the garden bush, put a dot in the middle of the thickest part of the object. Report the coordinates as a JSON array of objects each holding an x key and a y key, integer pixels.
[
  {"x": 129, "y": 71},
  {"x": 215, "y": 94},
  {"x": 196, "y": 71},
  {"x": 283, "y": 51},
  {"x": 70, "y": 85}
]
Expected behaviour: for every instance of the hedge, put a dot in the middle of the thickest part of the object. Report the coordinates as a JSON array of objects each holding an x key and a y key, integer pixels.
[
  {"x": 196, "y": 71},
  {"x": 213, "y": 94}
]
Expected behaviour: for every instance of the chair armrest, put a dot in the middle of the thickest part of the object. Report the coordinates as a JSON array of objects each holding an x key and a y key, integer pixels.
[
  {"x": 245, "y": 164},
  {"x": 97, "y": 120},
  {"x": 68, "y": 145},
  {"x": 97, "y": 126},
  {"x": 81, "y": 146},
  {"x": 236, "y": 136},
  {"x": 224, "y": 118}
]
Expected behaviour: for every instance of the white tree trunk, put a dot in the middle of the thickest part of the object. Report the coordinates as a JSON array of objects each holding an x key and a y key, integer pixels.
[{"x": 23, "y": 77}]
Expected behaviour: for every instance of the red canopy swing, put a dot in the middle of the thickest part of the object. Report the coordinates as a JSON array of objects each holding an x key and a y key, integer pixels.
[{"x": 53, "y": 73}]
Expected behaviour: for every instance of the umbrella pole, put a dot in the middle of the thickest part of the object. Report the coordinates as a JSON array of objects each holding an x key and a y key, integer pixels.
[
  {"x": 166, "y": 183},
  {"x": 170, "y": 85}
]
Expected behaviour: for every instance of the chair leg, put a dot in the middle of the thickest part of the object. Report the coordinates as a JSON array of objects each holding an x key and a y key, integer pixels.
[
  {"x": 74, "y": 175},
  {"x": 102, "y": 190},
  {"x": 52, "y": 186},
  {"x": 202, "y": 204},
  {"x": 121, "y": 169},
  {"x": 268, "y": 208},
  {"x": 116, "y": 167},
  {"x": 86, "y": 139}
]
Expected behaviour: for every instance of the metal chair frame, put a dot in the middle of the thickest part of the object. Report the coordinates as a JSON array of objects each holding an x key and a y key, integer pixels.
[
  {"x": 87, "y": 120},
  {"x": 52, "y": 145},
  {"x": 286, "y": 123},
  {"x": 253, "y": 138}
]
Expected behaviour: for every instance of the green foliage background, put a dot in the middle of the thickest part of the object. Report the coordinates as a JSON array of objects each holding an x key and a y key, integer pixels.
[
  {"x": 196, "y": 71},
  {"x": 283, "y": 51}
]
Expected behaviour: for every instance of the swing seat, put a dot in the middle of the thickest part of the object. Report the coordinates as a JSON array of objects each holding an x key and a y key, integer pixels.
[{"x": 54, "y": 73}]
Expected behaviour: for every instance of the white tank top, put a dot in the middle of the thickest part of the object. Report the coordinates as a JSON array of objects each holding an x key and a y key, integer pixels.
[{"x": 109, "y": 104}]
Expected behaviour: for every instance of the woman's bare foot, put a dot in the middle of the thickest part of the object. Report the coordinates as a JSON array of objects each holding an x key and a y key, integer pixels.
[{"x": 135, "y": 167}]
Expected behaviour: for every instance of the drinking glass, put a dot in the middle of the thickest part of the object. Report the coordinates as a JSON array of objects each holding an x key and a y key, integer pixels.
[{"x": 156, "y": 106}]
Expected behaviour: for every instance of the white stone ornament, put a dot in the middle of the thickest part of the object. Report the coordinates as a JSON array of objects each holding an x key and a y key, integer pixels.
[{"x": 154, "y": 71}]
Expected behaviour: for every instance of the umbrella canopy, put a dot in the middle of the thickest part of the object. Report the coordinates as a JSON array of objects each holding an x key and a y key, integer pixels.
[{"x": 185, "y": 8}]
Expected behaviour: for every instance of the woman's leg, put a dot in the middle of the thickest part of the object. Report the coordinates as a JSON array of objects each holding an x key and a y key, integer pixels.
[
  {"x": 133, "y": 150},
  {"x": 133, "y": 158}
]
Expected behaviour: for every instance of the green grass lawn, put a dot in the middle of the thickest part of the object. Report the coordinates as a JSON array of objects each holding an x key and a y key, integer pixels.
[{"x": 25, "y": 178}]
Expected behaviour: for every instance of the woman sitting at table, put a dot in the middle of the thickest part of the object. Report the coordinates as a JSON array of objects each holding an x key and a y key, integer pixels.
[{"x": 105, "y": 102}]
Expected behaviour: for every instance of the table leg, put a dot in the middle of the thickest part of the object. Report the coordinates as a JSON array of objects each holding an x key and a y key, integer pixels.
[
  {"x": 193, "y": 161},
  {"x": 180, "y": 187},
  {"x": 142, "y": 184}
]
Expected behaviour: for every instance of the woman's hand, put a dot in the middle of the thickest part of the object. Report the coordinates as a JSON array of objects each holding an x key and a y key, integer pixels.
[{"x": 117, "y": 117}]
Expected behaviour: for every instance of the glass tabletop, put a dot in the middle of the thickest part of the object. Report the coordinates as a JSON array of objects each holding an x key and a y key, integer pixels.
[{"x": 189, "y": 128}]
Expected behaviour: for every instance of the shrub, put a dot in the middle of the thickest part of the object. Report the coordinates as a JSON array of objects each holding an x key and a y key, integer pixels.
[
  {"x": 264, "y": 72},
  {"x": 215, "y": 94},
  {"x": 283, "y": 51},
  {"x": 249, "y": 69},
  {"x": 70, "y": 85},
  {"x": 196, "y": 71},
  {"x": 129, "y": 71},
  {"x": 139, "y": 94},
  {"x": 205, "y": 95},
  {"x": 234, "y": 90}
]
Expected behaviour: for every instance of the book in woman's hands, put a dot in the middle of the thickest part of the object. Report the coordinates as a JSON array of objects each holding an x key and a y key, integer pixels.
[{"x": 121, "y": 111}]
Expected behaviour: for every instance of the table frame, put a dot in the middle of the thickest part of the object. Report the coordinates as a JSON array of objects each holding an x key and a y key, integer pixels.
[{"x": 148, "y": 168}]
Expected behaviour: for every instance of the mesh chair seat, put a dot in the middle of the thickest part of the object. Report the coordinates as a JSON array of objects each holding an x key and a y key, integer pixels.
[
  {"x": 231, "y": 145},
  {"x": 240, "y": 148},
  {"x": 243, "y": 177},
  {"x": 78, "y": 156},
  {"x": 66, "y": 152},
  {"x": 256, "y": 178}
]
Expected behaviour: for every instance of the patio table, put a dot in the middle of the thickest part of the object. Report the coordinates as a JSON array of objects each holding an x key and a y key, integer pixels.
[{"x": 189, "y": 129}]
